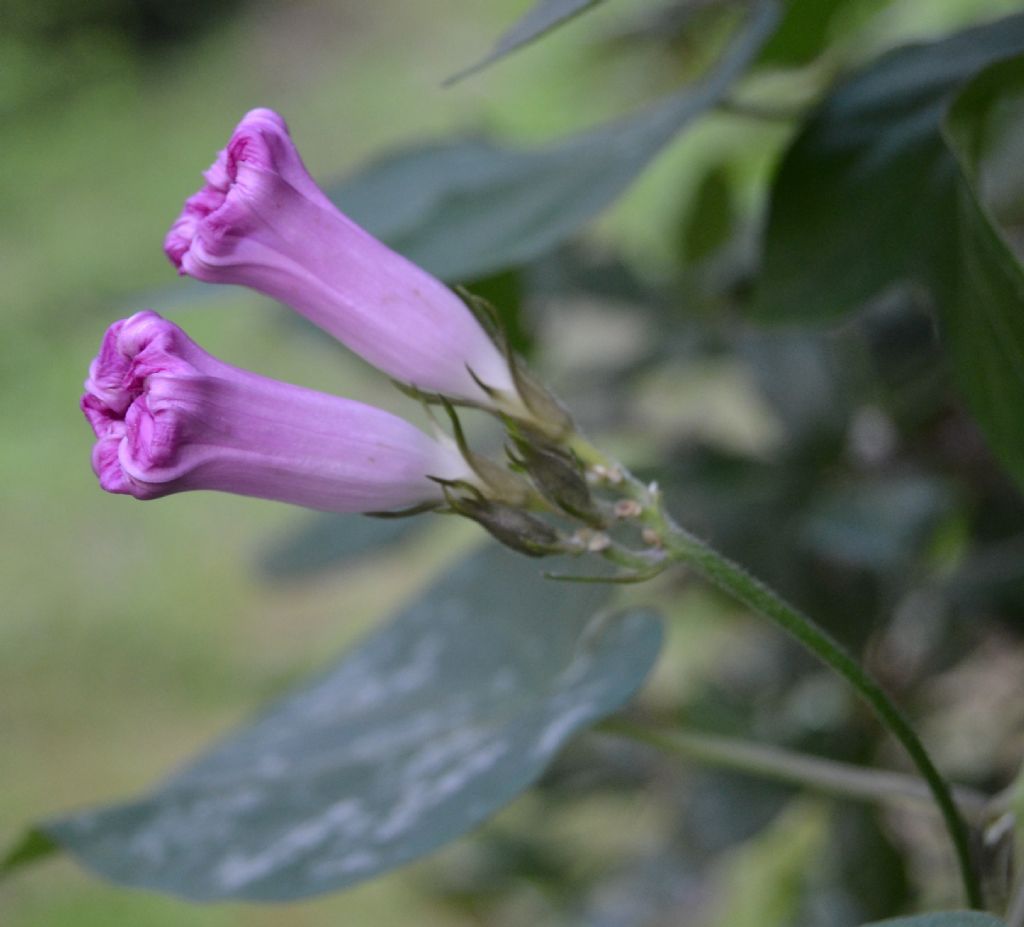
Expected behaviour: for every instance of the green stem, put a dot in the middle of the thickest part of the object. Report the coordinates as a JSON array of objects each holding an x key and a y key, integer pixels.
[
  {"x": 731, "y": 578},
  {"x": 683, "y": 547},
  {"x": 827, "y": 776}
]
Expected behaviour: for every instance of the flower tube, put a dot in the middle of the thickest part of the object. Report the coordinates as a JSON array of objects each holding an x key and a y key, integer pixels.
[
  {"x": 168, "y": 417},
  {"x": 261, "y": 221}
]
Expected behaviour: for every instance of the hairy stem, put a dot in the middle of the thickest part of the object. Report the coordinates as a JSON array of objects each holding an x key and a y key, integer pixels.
[
  {"x": 733, "y": 579},
  {"x": 680, "y": 546}
]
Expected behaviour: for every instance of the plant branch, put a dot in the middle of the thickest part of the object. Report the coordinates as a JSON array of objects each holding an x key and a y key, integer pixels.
[{"x": 822, "y": 775}]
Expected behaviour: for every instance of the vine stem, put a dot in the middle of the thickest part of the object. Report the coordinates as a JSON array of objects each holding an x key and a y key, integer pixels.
[
  {"x": 737, "y": 582},
  {"x": 681, "y": 546}
]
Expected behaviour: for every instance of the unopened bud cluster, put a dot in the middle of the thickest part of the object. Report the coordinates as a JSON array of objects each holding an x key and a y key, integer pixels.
[{"x": 561, "y": 505}]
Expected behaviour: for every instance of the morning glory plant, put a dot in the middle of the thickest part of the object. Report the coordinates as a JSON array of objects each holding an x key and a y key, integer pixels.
[
  {"x": 434, "y": 722},
  {"x": 169, "y": 417}
]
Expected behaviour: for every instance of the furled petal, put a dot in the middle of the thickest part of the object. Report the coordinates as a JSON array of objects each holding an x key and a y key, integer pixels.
[
  {"x": 261, "y": 221},
  {"x": 169, "y": 417}
]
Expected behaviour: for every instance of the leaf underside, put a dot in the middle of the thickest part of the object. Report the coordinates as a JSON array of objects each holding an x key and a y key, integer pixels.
[{"x": 417, "y": 735}]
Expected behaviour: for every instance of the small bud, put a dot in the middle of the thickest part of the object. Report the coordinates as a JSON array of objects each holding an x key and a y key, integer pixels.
[
  {"x": 651, "y": 538},
  {"x": 628, "y": 508},
  {"x": 511, "y": 526},
  {"x": 599, "y": 473},
  {"x": 558, "y": 475},
  {"x": 586, "y": 539}
]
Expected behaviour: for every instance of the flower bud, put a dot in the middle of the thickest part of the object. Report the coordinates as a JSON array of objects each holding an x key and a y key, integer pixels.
[
  {"x": 512, "y": 526},
  {"x": 169, "y": 417},
  {"x": 261, "y": 221},
  {"x": 558, "y": 475}
]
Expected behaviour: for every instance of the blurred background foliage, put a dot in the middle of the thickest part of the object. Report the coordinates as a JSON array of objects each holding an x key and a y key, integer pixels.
[{"x": 839, "y": 463}]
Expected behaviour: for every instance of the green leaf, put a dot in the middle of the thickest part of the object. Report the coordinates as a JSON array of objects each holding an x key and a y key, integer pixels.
[
  {"x": 33, "y": 846},
  {"x": 804, "y": 31},
  {"x": 878, "y": 190},
  {"x": 469, "y": 208},
  {"x": 418, "y": 734},
  {"x": 711, "y": 220},
  {"x": 943, "y": 919},
  {"x": 540, "y": 19},
  {"x": 860, "y": 197},
  {"x": 979, "y": 282},
  {"x": 326, "y": 541}
]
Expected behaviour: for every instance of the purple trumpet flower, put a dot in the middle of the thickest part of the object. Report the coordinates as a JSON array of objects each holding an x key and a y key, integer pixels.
[
  {"x": 168, "y": 417},
  {"x": 262, "y": 222}
]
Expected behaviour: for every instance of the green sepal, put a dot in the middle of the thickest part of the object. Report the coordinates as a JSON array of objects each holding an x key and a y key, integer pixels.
[
  {"x": 547, "y": 414},
  {"x": 505, "y": 486},
  {"x": 406, "y": 513},
  {"x": 485, "y": 313}
]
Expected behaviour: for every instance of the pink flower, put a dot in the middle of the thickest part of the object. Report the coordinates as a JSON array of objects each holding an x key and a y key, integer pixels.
[
  {"x": 261, "y": 221},
  {"x": 169, "y": 417}
]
